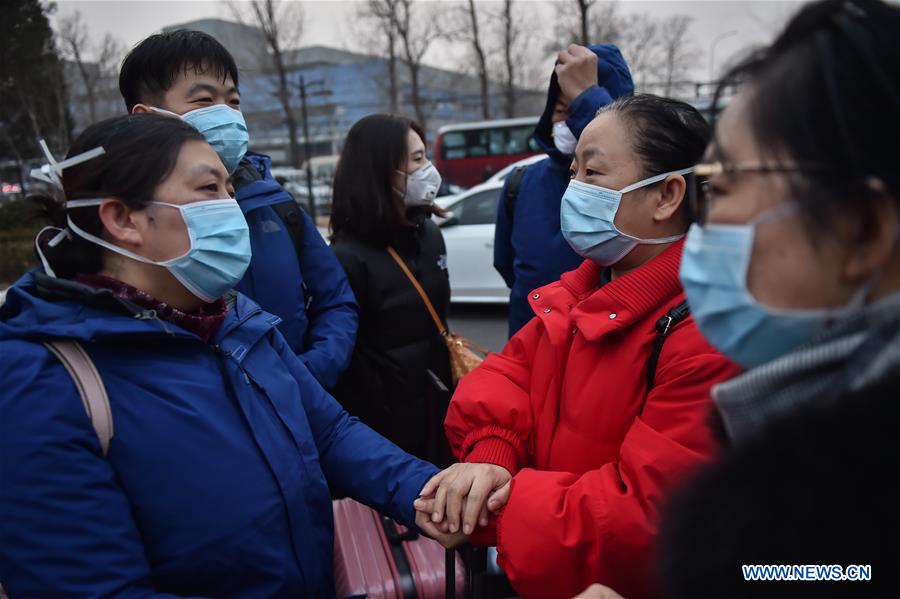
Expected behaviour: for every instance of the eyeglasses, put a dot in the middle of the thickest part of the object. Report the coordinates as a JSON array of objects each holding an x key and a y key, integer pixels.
[{"x": 698, "y": 194}]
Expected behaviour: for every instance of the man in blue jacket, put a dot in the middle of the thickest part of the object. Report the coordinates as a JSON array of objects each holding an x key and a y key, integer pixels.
[
  {"x": 529, "y": 249},
  {"x": 293, "y": 274}
]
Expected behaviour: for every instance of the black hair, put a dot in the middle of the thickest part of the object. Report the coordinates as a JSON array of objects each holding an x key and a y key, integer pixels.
[
  {"x": 152, "y": 66},
  {"x": 826, "y": 95},
  {"x": 364, "y": 202},
  {"x": 667, "y": 135},
  {"x": 805, "y": 489},
  {"x": 140, "y": 152}
]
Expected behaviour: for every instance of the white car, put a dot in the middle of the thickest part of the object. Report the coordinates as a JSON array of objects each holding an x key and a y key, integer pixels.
[
  {"x": 469, "y": 233},
  {"x": 500, "y": 176}
]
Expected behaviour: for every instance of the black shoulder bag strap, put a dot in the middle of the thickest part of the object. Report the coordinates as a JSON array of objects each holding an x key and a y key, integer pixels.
[
  {"x": 514, "y": 182},
  {"x": 292, "y": 217},
  {"x": 663, "y": 327}
]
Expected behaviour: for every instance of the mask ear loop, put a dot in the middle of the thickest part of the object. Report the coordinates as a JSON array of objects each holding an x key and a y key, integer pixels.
[
  {"x": 54, "y": 241},
  {"x": 656, "y": 179},
  {"x": 647, "y": 183}
]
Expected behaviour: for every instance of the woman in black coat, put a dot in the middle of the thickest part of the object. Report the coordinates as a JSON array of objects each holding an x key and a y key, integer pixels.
[{"x": 384, "y": 189}]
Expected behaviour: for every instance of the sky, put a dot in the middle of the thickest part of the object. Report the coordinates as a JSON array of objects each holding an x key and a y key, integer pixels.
[{"x": 724, "y": 26}]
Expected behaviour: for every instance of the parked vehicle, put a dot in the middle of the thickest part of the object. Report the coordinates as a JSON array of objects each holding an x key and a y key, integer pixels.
[
  {"x": 323, "y": 168},
  {"x": 500, "y": 176},
  {"x": 469, "y": 234},
  {"x": 469, "y": 153},
  {"x": 294, "y": 181}
]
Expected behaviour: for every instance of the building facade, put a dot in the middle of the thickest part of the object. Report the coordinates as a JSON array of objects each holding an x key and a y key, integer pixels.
[{"x": 342, "y": 87}]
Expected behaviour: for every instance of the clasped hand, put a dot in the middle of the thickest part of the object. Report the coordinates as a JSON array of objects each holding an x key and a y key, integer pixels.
[{"x": 457, "y": 499}]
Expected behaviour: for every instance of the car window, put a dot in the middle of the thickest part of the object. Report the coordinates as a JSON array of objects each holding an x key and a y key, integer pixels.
[
  {"x": 477, "y": 209},
  {"x": 480, "y": 143}
]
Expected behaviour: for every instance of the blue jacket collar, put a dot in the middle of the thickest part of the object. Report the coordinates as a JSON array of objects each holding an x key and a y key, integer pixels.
[{"x": 42, "y": 307}]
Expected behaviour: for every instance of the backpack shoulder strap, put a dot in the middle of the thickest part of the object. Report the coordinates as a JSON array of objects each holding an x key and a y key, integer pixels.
[
  {"x": 663, "y": 326},
  {"x": 513, "y": 184},
  {"x": 90, "y": 387},
  {"x": 289, "y": 213}
]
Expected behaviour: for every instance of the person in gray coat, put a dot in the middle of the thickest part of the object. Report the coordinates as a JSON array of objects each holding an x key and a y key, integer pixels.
[{"x": 793, "y": 270}]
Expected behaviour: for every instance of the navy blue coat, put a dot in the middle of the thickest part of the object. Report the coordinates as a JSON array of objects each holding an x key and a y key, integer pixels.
[
  {"x": 217, "y": 477},
  {"x": 530, "y": 251},
  {"x": 319, "y": 315}
]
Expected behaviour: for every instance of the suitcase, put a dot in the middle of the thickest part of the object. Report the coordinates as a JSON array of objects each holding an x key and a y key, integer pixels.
[{"x": 377, "y": 558}]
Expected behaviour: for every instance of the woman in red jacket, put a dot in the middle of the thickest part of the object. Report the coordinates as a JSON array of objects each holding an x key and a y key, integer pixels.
[{"x": 572, "y": 433}]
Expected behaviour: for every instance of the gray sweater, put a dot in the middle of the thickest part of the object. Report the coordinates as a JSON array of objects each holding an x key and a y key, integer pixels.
[{"x": 851, "y": 355}]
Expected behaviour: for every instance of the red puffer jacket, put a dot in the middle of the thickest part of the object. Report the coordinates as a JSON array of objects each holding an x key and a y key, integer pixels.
[{"x": 563, "y": 408}]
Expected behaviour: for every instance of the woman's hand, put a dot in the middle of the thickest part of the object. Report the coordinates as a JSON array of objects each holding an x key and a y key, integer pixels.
[
  {"x": 448, "y": 540},
  {"x": 463, "y": 493},
  {"x": 598, "y": 591}
]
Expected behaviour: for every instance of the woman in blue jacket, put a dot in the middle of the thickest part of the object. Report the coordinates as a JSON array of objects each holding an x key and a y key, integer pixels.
[{"x": 216, "y": 480}]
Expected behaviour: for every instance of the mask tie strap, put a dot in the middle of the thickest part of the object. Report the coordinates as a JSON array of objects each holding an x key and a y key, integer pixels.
[
  {"x": 655, "y": 179},
  {"x": 49, "y": 173}
]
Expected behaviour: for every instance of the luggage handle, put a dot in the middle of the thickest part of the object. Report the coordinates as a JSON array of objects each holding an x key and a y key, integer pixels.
[{"x": 394, "y": 536}]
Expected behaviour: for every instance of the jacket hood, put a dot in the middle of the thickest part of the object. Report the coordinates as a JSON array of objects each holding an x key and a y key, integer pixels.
[
  {"x": 612, "y": 74},
  {"x": 42, "y": 307}
]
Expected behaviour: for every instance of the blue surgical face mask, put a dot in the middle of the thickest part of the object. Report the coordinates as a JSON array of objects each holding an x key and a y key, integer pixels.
[
  {"x": 588, "y": 220},
  {"x": 714, "y": 269},
  {"x": 224, "y": 129},
  {"x": 220, "y": 246}
]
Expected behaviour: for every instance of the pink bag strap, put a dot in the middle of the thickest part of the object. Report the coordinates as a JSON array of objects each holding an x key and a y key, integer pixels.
[{"x": 90, "y": 387}]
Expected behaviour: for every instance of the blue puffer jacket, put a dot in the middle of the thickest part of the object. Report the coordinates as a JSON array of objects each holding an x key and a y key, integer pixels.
[
  {"x": 530, "y": 251},
  {"x": 217, "y": 479},
  {"x": 319, "y": 315}
]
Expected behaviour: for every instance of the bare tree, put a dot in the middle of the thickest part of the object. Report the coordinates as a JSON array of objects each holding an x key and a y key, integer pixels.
[
  {"x": 518, "y": 59},
  {"x": 677, "y": 54},
  {"x": 584, "y": 6},
  {"x": 658, "y": 53},
  {"x": 415, "y": 36},
  {"x": 585, "y": 23},
  {"x": 480, "y": 60},
  {"x": 383, "y": 13},
  {"x": 639, "y": 42},
  {"x": 281, "y": 24},
  {"x": 518, "y": 47},
  {"x": 74, "y": 41},
  {"x": 510, "y": 37}
]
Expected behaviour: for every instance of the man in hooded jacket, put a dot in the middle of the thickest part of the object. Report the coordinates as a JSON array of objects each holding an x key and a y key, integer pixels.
[{"x": 529, "y": 249}]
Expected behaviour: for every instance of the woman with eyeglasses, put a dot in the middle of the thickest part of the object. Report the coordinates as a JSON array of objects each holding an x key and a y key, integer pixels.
[
  {"x": 794, "y": 272},
  {"x": 599, "y": 406}
]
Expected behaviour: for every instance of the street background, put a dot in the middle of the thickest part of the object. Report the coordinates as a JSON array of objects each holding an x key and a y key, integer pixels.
[
  {"x": 310, "y": 69},
  {"x": 485, "y": 324}
]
